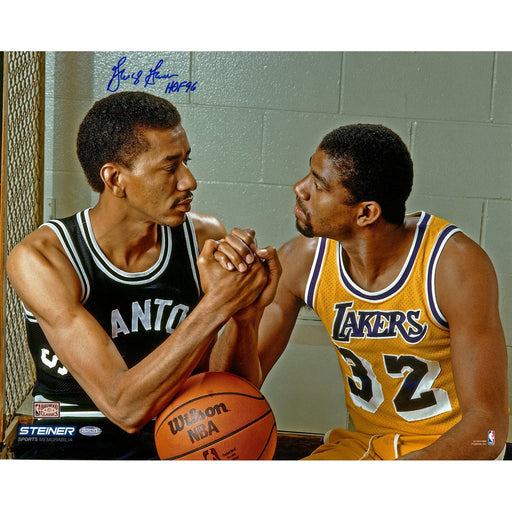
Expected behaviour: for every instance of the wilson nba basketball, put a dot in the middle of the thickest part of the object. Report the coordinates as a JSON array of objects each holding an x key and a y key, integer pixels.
[{"x": 216, "y": 416}]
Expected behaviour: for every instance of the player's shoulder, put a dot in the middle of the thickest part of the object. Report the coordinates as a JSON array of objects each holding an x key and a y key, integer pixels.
[
  {"x": 463, "y": 256},
  {"x": 302, "y": 248},
  {"x": 41, "y": 242},
  {"x": 296, "y": 257},
  {"x": 460, "y": 246},
  {"x": 40, "y": 251},
  {"x": 465, "y": 276},
  {"x": 207, "y": 227}
]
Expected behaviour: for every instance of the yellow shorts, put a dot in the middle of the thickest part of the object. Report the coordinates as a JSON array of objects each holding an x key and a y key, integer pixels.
[{"x": 341, "y": 444}]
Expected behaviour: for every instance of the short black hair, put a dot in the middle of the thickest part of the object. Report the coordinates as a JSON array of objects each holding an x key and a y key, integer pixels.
[
  {"x": 374, "y": 165},
  {"x": 112, "y": 130}
]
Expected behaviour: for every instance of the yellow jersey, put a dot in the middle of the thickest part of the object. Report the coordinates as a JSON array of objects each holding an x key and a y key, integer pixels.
[{"x": 393, "y": 346}]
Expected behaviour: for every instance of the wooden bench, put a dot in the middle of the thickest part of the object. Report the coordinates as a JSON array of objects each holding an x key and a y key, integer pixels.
[{"x": 296, "y": 445}]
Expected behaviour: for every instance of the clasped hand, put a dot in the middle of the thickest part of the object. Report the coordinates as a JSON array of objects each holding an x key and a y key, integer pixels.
[{"x": 238, "y": 272}]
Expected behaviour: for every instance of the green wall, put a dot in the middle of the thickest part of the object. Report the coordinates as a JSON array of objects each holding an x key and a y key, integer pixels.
[{"x": 255, "y": 118}]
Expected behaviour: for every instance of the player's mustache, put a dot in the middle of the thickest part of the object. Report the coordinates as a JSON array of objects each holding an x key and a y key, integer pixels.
[
  {"x": 299, "y": 203},
  {"x": 185, "y": 197}
]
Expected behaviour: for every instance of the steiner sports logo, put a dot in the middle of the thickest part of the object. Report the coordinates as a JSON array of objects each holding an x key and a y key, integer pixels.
[
  {"x": 46, "y": 409},
  {"x": 46, "y": 431}
]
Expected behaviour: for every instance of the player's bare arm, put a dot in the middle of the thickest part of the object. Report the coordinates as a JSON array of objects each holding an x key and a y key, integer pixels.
[
  {"x": 266, "y": 325},
  {"x": 467, "y": 293},
  {"x": 279, "y": 317},
  {"x": 49, "y": 287},
  {"x": 241, "y": 254},
  {"x": 236, "y": 349}
]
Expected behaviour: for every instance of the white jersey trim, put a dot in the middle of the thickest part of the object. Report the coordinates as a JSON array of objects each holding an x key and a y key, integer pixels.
[
  {"x": 103, "y": 264},
  {"x": 405, "y": 272},
  {"x": 192, "y": 249},
  {"x": 109, "y": 269},
  {"x": 430, "y": 281},
  {"x": 314, "y": 273},
  {"x": 67, "y": 244}
]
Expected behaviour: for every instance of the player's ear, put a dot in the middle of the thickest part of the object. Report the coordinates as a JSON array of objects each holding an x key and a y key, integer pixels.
[
  {"x": 369, "y": 212},
  {"x": 111, "y": 176}
]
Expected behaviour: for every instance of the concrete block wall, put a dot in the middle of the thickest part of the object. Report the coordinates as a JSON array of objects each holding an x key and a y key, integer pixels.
[{"x": 255, "y": 118}]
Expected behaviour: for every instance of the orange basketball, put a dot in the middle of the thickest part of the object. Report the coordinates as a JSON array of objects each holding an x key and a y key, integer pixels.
[{"x": 216, "y": 416}]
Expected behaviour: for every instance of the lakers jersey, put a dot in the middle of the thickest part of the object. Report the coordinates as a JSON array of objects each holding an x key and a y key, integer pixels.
[
  {"x": 137, "y": 310},
  {"x": 393, "y": 346}
]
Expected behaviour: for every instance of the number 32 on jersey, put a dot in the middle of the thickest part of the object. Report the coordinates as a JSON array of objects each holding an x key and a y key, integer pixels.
[{"x": 415, "y": 400}]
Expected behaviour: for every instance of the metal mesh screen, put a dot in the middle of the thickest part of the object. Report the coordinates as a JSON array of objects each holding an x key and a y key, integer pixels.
[{"x": 22, "y": 181}]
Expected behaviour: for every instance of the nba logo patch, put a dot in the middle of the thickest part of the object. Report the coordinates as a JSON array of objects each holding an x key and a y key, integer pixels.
[
  {"x": 491, "y": 439},
  {"x": 46, "y": 410}
]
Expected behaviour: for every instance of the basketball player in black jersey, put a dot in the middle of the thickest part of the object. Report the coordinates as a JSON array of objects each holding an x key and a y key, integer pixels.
[{"x": 124, "y": 301}]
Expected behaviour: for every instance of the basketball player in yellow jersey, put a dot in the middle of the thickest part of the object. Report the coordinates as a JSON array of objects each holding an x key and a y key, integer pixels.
[{"x": 410, "y": 303}]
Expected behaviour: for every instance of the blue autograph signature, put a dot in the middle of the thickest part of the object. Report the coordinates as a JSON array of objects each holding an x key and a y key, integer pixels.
[{"x": 150, "y": 78}]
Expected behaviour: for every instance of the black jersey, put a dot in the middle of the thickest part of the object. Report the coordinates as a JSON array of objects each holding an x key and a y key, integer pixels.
[{"x": 137, "y": 310}]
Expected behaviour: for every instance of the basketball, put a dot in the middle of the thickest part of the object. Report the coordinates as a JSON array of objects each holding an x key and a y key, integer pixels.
[{"x": 216, "y": 416}]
